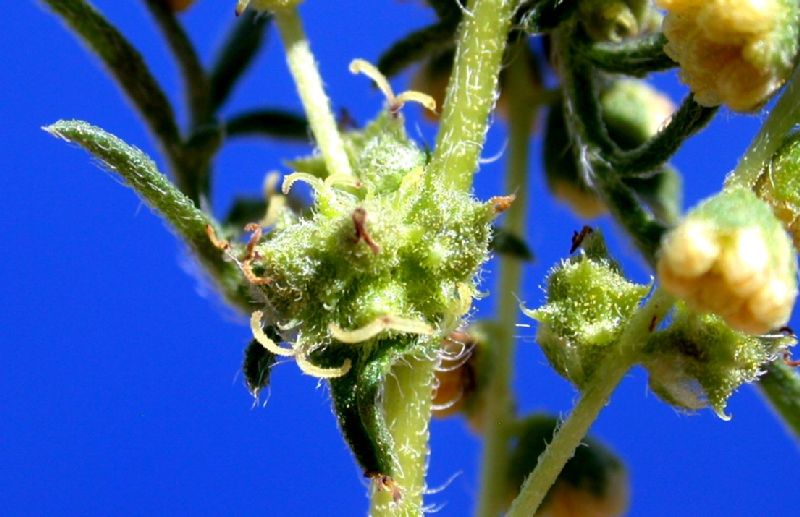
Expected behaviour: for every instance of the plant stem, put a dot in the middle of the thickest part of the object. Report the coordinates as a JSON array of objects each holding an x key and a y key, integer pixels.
[
  {"x": 781, "y": 386},
  {"x": 500, "y": 412},
  {"x": 312, "y": 94},
  {"x": 407, "y": 406},
  {"x": 472, "y": 91},
  {"x": 592, "y": 400},
  {"x": 772, "y": 134}
]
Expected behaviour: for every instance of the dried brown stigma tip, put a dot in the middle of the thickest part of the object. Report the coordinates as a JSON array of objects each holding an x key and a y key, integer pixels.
[
  {"x": 360, "y": 222},
  {"x": 502, "y": 203},
  {"x": 385, "y": 483},
  {"x": 578, "y": 237},
  {"x": 220, "y": 244},
  {"x": 250, "y": 255},
  {"x": 787, "y": 359}
]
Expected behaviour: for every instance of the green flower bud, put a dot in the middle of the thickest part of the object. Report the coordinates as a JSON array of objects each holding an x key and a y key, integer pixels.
[
  {"x": 732, "y": 52},
  {"x": 731, "y": 256},
  {"x": 265, "y": 5},
  {"x": 699, "y": 361},
  {"x": 779, "y": 186},
  {"x": 588, "y": 303},
  {"x": 593, "y": 482},
  {"x": 633, "y": 112},
  {"x": 612, "y": 20}
]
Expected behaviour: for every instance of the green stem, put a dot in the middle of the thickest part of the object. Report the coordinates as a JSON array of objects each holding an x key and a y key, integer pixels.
[
  {"x": 471, "y": 92},
  {"x": 780, "y": 122},
  {"x": 500, "y": 412},
  {"x": 781, "y": 386},
  {"x": 312, "y": 94},
  {"x": 638, "y": 56},
  {"x": 407, "y": 406},
  {"x": 592, "y": 401}
]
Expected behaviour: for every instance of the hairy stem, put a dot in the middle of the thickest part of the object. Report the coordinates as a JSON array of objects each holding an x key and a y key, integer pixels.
[
  {"x": 472, "y": 91},
  {"x": 312, "y": 94},
  {"x": 407, "y": 405},
  {"x": 781, "y": 387},
  {"x": 772, "y": 134},
  {"x": 592, "y": 401},
  {"x": 500, "y": 412}
]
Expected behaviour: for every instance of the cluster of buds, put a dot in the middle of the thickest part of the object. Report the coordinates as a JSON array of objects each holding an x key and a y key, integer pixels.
[
  {"x": 732, "y": 52},
  {"x": 732, "y": 257},
  {"x": 699, "y": 361}
]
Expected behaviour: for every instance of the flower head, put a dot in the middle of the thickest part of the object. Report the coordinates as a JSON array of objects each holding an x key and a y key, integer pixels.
[
  {"x": 730, "y": 256},
  {"x": 732, "y": 52}
]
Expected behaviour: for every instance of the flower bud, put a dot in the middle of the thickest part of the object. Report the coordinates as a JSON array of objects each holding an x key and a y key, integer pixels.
[
  {"x": 612, "y": 20},
  {"x": 699, "y": 361},
  {"x": 779, "y": 186},
  {"x": 593, "y": 482},
  {"x": 732, "y": 52},
  {"x": 588, "y": 303},
  {"x": 731, "y": 256}
]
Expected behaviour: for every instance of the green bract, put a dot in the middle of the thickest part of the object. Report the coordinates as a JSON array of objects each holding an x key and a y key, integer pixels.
[
  {"x": 699, "y": 361},
  {"x": 588, "y": 302},
  {"x": 779, "y": 186}
]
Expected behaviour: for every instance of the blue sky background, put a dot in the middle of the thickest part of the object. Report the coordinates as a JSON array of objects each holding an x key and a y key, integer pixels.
[{"x": 119, "y": 391}]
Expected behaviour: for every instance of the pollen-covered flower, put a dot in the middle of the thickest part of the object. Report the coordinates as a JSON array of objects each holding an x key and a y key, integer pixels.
[
  {"x": 731, "y": 256},
  {"x": 732, "y": 52}
]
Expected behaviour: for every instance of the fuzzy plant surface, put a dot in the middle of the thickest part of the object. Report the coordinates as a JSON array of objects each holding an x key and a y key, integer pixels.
[{"x": 360, "y": 261}]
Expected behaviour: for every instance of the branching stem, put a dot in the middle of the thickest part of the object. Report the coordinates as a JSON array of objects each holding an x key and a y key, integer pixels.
[{"x": 593, "y": 399}]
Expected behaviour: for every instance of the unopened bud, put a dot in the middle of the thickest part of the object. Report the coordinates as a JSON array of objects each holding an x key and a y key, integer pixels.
[
  {"x": 732, "y": 52},
  {"x": 731, "y": 256}
]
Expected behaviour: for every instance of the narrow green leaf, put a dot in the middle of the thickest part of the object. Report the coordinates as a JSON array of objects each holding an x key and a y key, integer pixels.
[
  {"x": 236, "y": 55},
  {"x": 417, "y": 46},
  {"x": 270, "y": 123},
  {"x": 194, "y": 76},
  {"x": 125, "y": 64},
  {"x": 141, "y": 174}
]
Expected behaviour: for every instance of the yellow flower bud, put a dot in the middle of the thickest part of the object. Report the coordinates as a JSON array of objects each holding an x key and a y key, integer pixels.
[
  {"x": 731, "y": 257},
  {"x": 732, "y": 52}
]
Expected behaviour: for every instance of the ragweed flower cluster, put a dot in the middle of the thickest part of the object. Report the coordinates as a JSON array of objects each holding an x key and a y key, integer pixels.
[
  {"x": 732, "y": 257},
  {"x": 382, "y": 268},
  {"x": 732, "y": 52}
]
